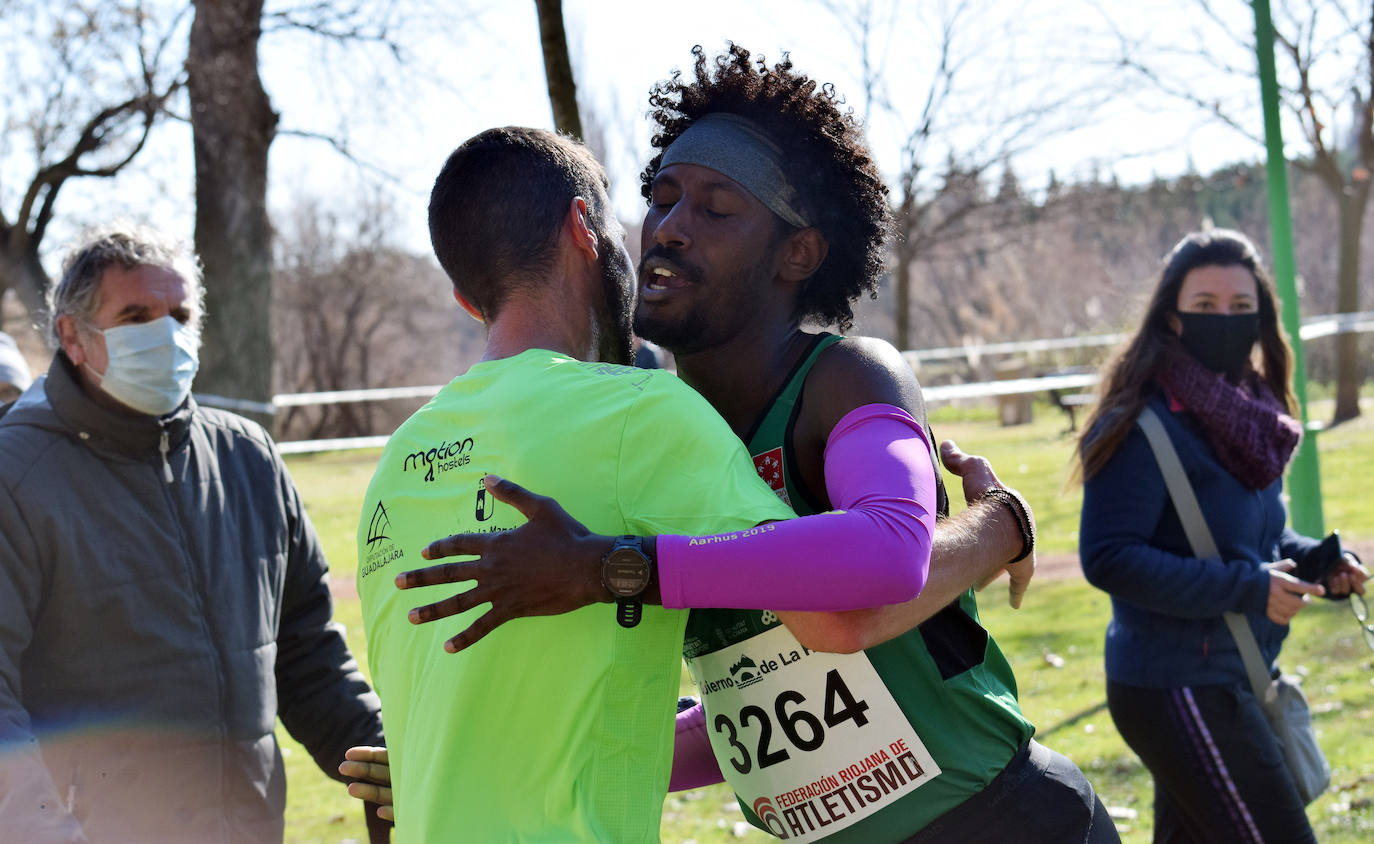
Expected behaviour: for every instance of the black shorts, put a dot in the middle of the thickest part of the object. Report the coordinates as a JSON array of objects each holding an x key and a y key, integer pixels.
[{"x": 1039, "y": 798}]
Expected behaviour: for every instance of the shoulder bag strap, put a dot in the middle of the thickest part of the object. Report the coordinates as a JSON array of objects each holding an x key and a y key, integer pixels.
[{"x": 1200, "y": 537}]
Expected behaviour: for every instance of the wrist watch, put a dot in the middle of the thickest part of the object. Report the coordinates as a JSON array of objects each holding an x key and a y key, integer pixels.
[{"x": 625, "y": 572}]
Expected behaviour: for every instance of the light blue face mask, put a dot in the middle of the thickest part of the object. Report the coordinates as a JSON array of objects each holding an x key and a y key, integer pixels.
[{"x": 151, "y": 365}]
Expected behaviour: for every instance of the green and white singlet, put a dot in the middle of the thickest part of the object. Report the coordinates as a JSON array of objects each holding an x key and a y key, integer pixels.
[
  {"x": 557, "y": 728},
  {"x": 866, "y": 747}
]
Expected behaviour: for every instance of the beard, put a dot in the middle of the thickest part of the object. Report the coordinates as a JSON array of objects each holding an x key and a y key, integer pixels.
[
  {"x": 614, "y": 343},
  {"x": 712, "y": 321},
  {"x": 681, "y": 337}
]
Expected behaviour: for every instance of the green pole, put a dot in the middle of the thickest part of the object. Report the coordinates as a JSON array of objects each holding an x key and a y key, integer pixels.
[{"x": 1304, "y": 476}]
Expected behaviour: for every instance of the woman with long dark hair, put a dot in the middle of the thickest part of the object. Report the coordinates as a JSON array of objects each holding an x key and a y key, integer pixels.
[{"x": 1212, "y": 362}]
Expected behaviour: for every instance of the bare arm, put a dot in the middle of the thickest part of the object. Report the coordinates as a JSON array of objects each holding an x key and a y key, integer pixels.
[
  {"x": 970, "y": 550},
  {"x": 694, "y": 763},
  {"x": 977, "y": 545},
  {"x": 980, "y": 540},
  {"x": 881, "y": 478}
]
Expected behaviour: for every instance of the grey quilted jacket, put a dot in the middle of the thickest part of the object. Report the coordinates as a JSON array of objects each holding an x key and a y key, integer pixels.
[{"x": 163, "y": 598}]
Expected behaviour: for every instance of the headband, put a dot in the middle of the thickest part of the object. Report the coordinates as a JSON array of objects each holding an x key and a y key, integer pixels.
[{"x": 736, "y": 147}]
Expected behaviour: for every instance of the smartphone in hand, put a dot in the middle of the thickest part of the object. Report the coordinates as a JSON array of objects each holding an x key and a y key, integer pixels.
[{"x": 1316, "y": 564}]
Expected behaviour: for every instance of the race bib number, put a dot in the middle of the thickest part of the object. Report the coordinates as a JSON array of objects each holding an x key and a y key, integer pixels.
[{"x": 811, "y": 742}]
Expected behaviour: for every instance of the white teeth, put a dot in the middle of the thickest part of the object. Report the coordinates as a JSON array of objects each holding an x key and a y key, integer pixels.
[{"x": 663, "y": 272}]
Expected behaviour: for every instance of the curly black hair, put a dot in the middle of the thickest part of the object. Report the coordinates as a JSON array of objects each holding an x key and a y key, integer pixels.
[{"x": 824, "y": 155}]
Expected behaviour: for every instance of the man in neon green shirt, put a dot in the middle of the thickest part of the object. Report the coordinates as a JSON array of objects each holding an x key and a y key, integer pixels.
[{"x": 496, "y": 744}]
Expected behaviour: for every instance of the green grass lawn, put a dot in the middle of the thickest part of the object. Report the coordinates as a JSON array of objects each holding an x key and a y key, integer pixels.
[{"x": 1065, "y": 619}]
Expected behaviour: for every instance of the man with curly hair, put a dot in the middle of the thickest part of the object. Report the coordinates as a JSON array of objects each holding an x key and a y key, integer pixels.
[{"x": 832, "y": 719}]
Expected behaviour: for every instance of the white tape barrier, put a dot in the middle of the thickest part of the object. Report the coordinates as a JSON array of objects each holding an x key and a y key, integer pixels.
[
  {"x": 1312, "y": 329},
  {"x": 933, "y": 395},
  {"x": 336, "y": 444},
  {"x": 1010, "y": 387},
  {"x": 1338, "y": 324},
  {"x": 340, "y": 396},
  {"x": 236, "y": 405},
  {"x": 973, "y": 351},
  {"x": 306, "y": 399}
]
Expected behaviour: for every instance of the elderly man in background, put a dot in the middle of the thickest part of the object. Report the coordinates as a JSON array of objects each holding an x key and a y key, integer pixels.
[
  {"x": 163, "y": 595},
  {"x": 14, "y": 370}
]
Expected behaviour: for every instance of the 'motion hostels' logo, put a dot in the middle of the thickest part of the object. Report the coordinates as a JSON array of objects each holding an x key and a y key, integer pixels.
[{"x": 441, "y": 458}]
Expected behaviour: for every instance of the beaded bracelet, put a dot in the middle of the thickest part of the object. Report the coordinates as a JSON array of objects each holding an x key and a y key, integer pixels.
[{"x": 1021, "y": 512}]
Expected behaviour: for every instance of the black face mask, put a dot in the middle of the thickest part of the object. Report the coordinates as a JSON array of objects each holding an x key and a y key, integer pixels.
[{"x": 1220, "y": 342}]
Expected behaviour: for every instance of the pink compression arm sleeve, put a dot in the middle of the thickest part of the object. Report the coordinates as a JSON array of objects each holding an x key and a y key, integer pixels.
[
  {"x": 878, "y": 472},
  {"x": 694, "y": 763}
]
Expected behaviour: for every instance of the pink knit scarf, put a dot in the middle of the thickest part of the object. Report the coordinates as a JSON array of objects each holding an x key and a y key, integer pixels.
[{"x": 1246, "y": 425}]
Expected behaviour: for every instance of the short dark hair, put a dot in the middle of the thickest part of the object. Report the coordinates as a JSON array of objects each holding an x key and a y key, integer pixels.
[
  {"x": 498, "y": 203},
  {"x": 825, "y": 158}
]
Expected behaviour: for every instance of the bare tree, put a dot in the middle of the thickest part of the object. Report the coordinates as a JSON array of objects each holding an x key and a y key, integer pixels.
[
  {"x": 1325, "y": 53},
  {"x": 90, "y": 85},
  {"x": 351, "y": 310},
  {"x": 963, "y": 118},
  {"x": 94, "y": 83},
  {"x": 233, "y": 125},
  {"x": 558, "y": 71}
]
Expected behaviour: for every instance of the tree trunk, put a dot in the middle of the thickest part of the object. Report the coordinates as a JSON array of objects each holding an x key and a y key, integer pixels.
[
  {"x": 24, "y": 273},
  {"x": 1349, "y": 375},
  {"x": 233, "y": 125},
  {"x": 901, "y": 298},
  {"x": 905, "y": 254},
  {"x": 558, "y": 67}
]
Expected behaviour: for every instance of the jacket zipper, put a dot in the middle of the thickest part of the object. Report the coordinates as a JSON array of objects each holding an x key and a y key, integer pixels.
[
  {"x": 162, "y": 447},
  {"x": 200, "y": 599}
]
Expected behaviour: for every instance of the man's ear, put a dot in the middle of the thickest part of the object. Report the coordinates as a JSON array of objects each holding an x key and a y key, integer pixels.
[
  {"x": 69, "y": 335},
  {"x": 803, "y": 254},
  {"x": 473, "y": 310},
  {"x": 579, "y": 229}
]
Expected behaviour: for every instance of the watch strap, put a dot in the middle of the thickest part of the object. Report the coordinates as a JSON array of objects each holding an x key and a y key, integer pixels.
[{"x": 629, "y": 610}]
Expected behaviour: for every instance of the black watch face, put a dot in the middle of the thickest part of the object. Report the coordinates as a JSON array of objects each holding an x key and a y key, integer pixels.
[{"x": 625, "y": 572}]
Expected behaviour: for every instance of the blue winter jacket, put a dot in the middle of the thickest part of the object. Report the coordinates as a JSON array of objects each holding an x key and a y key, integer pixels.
[{"x": 1166, "y": 629}]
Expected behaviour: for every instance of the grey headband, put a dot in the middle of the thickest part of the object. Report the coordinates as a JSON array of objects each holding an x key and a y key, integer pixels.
[{"x": 738, "y": 148}]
